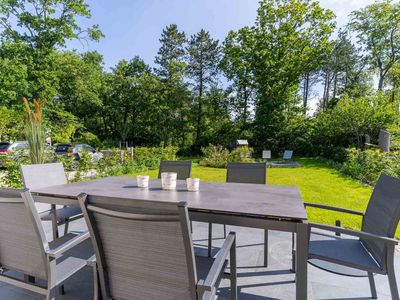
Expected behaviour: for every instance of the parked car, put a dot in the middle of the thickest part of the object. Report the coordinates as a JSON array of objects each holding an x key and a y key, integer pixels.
[
  {"x": 13, "y": 151},
  {"x": 10, "y": 147},
  {"x": 76, "y": 150}
]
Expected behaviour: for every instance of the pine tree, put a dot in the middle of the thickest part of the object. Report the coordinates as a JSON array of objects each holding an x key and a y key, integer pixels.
[{"x": 203, "y": 60}]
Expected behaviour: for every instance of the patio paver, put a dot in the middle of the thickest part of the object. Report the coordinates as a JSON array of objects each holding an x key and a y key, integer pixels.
[{"x": 254, "y": 282}]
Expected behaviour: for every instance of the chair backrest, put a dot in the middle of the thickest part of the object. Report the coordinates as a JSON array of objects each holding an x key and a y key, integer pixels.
[
  {"x": 43, "y": 175},
  {"x": 246, "y": 173},
  {"x": 382, "y": 215},
  {"x": 22, "y": 239},
  {"x": 143, "y": 248},
  {"x": 287, "y": 154},
  {"x": 182, "y": 167},
  {"x": 266, "y": 154}
]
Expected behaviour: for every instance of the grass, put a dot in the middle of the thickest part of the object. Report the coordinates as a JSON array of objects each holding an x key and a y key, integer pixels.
[{"x": 318, "y": 183}]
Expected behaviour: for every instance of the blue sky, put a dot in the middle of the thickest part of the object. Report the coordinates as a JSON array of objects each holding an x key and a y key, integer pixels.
[{"x": 133, "y": 27}]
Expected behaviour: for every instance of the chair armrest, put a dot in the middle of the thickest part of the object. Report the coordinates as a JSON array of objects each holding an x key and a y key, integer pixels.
[
  {"x": 333, "y": 208},
  {"x": 91, "y": 262},
  {"x": 57, "y": 252},
  {"x": 360, "y": 234},
  {"x": 219, "y": 263}
]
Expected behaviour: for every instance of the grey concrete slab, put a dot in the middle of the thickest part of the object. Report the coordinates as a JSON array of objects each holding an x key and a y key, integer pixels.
[{"x": 254, "y": 281}]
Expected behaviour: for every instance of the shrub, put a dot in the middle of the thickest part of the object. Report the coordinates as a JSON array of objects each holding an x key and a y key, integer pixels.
[
  {"x": 90, "y": 139},
  {"x": 150, "y": 157},
  {"x": 367, "y": 165},
  {"x": 12, "y": 176},
  {"x": 214, "y": 156},
  {"x": 242, "y": 154},
  {"x": 219, "y": 157}
]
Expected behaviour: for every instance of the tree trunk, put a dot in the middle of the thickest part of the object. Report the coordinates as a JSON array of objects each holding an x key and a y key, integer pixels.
[
  {"x": 245, "y": 105},
  {"x": 199, "y": 111},
  {"x": 381, "y": 79},
  {"x": 306, "y": 90},
  {"x": 334, "y": 86}
]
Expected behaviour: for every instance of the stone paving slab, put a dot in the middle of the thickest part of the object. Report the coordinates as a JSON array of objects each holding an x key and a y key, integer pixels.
[{"x": 254, "y": 281}]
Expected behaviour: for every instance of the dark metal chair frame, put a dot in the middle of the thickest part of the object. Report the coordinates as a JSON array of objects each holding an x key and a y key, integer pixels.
[
  {"x": 379, "y": 224},
  {"x": 44, "y": 175},
  {"x": 235, "y": 174},
  {"x": 48, "y": 269}
]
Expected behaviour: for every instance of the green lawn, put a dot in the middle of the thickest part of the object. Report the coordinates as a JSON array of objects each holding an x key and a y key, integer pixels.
[{"x": 318, "y": 183}]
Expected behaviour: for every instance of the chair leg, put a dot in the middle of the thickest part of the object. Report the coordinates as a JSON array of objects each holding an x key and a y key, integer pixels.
[
  {"x": 392, "y": 278},
  {"x": 233, "y": 271},
  {"x": 29, "y": 278},
  {"x": 293, "y": 254},
  {"x": 209, "y": 239},
  {"x": 191, "y": 226},
  {"x": 96, "y": 294},
  {"x": 224, "y": 231},
  {"x": 61, "y": 290},
  {"x": 372, "y": 285},
  {"x": 66, "y": 225},
  {"x": 54, "y": 222},
  {"x": 265, "y": 248},
  {"x": 51, "y": 294}
]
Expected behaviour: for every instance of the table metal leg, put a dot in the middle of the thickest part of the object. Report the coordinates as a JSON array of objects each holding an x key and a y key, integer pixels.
[
  {"x": 301, "y": 260},
  {"x": 209, "y": 239},
  {"x": 265, "y": 247},
  {"x": 54, "y": 221}
]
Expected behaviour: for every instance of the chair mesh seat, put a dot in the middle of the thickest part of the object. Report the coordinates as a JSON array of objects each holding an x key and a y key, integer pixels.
[
  {"x": 347, "y": 251},
  {"x": 63, "y": 213},
  {"x": 72, "y": 260}
]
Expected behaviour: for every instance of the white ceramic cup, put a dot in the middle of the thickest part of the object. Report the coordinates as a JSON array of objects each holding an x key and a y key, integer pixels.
[
  {"x": 142, "y": 181},
  {"x": 193, "y": 184},
  {"x": 168, "y": 180}
]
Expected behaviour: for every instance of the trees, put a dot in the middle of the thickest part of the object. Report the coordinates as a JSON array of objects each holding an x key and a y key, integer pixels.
[
  {"x": 174, "y": 97},
  {"x": 343, "y": 71},
  {"x": 288, "y": 39},
  {"x": 236, "y": 66},
  {"x": 377, "y": 27},
  {"x": 41, "y": 27},
  {"x": 203, "y": 60}
]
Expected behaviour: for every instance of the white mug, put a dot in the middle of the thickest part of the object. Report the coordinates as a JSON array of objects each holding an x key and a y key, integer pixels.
[
  {"x": 193, "y": 184},
  {"x": 142, "y": 181},
  {"x": 168, "y": 180}
]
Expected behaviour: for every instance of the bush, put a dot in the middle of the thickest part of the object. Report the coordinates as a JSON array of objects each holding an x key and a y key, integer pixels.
[
  {"x": 150, "y": 158},
  {"x": 214, "y": 156},
  {"x": 90, "y": 139},
  {"x": 367, "y": 165},
  {"x": 219, "y": 157},
  {"x": 242, "y": 154},
  {"x": 111, "y": 164},
  {"x": 12, "y": 176}
]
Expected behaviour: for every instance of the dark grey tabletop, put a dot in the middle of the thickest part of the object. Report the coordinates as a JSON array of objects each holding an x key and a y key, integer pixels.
[{"x": 230, "y": 198}]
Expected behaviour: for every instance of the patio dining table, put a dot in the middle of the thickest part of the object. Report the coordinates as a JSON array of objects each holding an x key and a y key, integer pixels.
[{"x": 249, "y": 205}]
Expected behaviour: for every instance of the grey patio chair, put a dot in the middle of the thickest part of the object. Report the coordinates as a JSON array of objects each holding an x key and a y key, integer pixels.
[
  {"x": 287, "y": 155},
  {"x": 183, "y": 168},
  {"x": 25, "y": 250},
  {"x": 373, "y": 251},
  {"x": 45, "y": 175},
  {"x": 255, "y": 173},
  {"x": 144, "y": 248}
]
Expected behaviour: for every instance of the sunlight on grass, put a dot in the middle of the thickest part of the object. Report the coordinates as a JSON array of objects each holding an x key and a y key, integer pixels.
[{"x": 318, "y": 183}]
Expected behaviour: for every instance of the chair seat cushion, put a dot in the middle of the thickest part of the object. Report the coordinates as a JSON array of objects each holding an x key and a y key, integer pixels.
[
  {"x": 341, "y": 250},
  {"x": 72, "y": 260},
  {"x": 62, "y": 213}
]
